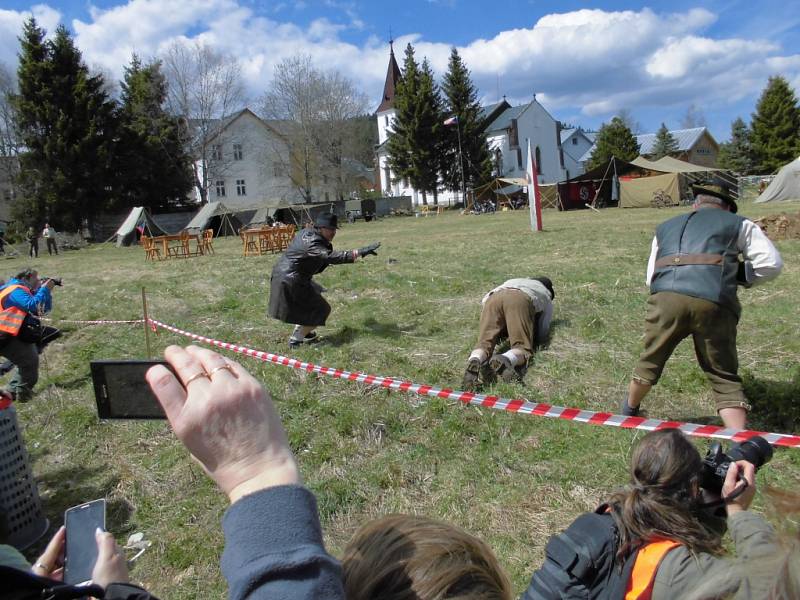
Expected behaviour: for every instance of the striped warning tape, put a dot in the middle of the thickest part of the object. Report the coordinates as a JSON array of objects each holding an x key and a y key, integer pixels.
[
  {"x": 98, "y": 322},
  {"x": 517, "y": 405}
]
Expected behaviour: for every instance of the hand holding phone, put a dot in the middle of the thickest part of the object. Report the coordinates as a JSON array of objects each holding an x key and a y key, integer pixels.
[{"x": 81, "y": 548}]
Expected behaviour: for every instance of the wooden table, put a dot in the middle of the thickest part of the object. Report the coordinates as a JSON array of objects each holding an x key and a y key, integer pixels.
[
  {"x": 181, "y": 249},
  {"x": 263, "y": 240}
]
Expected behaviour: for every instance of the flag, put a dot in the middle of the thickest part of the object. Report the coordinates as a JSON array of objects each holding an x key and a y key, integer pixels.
[
  {"x": 534, "y": 198},
  {"x": 451, "y": 121}
]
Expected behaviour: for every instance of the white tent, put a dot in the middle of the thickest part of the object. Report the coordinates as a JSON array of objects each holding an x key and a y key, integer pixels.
[
  {"x": 785, "y": 186},
  {"x": 216, "y": 216},
  {"x": 139, "y": 218}
]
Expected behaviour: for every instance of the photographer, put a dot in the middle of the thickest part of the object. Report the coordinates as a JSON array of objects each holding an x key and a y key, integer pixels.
[
  {"x": 21, "y": 300},
  {"x": 654, "y": 537}
]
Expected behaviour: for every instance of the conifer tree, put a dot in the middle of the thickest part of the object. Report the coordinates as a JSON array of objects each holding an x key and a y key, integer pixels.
[
  {"x": 776, "y": 126},
  {"x": 461, "y": 101},
  {"x": 67, "y": 127},
  {"x": 414, "y": 141},
  {"x": 154, "y": 168},
  {"x": 737, "y": 154},
  {"x": 614, "y": 139},
  {"x": 665, "y": 143}
]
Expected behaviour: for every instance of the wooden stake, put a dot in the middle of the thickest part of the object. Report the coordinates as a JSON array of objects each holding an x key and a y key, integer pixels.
[{"x": 146, "y": 325}]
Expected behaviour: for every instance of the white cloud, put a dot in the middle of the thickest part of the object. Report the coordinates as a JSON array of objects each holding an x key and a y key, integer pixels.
[
  {"x": 11, "y": 22},
  {"x": 590, "y": 61}
]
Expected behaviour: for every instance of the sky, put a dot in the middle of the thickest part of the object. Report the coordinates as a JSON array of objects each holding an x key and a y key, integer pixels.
[{"x": 585, "y": 61}]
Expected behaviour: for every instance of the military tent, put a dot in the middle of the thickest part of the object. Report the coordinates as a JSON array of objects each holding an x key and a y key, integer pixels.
[
  {"x": 216, "y": 216},
  {"x": 657, "y": 191},
  {"x": 137, "y": 223},
  {"x": 785, "y": 186},
  {"x": 598, "y": 187},
  {"x": 668, "y": 164}
]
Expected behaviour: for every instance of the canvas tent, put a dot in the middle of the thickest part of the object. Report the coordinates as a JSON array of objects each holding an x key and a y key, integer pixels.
[
  {"x": 216, "y": 216},
  {"x": 786, "y": 185},
  {"x": 137, "y": 222},
  {"x": 668, "y": 164},
  {"x": 599, "y": 186},
  {"x": 655, "y": 191}
]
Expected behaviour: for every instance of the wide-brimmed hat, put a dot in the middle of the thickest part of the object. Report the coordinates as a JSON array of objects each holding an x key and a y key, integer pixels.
[
  {"x": 327, "y": 220},
  {"x": 717, "y": 191}
]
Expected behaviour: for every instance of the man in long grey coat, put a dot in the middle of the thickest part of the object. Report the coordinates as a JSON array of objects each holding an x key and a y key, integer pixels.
[{"x": 294, "y": 297}]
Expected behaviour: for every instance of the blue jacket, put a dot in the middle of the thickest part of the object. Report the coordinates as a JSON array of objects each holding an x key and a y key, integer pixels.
[{"x": 36, "y": 304}]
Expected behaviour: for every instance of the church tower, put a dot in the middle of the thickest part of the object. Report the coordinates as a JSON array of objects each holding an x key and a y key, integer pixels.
[{"x": 385, "y": 114}]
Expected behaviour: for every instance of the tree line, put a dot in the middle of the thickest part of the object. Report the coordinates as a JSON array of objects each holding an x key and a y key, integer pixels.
[
  {"x": 422, "y": 149},
  {"x": 74, "y": 149},
  {"x": 771, "y": 140}
]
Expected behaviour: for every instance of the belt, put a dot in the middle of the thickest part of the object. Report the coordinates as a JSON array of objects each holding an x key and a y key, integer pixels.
[{"x": 676, "y": 260}]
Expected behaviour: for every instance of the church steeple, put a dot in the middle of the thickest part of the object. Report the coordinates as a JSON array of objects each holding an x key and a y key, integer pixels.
[{"x": 392, "y": 78}]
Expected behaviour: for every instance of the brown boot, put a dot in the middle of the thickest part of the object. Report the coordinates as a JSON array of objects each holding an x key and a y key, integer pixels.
[{"x": 470, "y": 381}]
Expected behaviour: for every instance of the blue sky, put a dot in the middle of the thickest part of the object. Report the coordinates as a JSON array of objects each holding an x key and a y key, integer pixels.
[{"x": 585, "y": 61}]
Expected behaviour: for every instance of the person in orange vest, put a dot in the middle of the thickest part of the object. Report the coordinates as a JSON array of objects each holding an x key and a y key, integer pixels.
[
  {"x": 654, "y": 539},
  {"x": 23, "y": 295}
]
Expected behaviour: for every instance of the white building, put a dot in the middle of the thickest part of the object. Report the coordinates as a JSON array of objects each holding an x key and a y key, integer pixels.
[
  {"x": 575, "y": 142},
  {"x": 508, "y": 131},
  {"x": 250, "y": 164}
]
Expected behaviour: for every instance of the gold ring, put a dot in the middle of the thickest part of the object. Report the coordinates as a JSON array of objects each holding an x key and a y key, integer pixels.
[
  {"x": 195, "y": 376},
  {"x": 226, "y": 367}
]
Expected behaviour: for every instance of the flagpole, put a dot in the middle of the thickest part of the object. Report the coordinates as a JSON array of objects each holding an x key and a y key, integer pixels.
[{"x": 461, "y": 164}]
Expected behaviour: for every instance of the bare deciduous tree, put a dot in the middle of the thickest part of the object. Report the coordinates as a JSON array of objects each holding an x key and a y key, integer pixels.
[
  {"x": 9, "y": 141},
  {"x": 205, "y": 86},
  {"x": 694, "y": 117},
  {"x": 315, "y": 110}
]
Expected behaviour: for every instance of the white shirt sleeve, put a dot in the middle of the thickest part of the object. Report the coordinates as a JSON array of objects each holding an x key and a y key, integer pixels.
[
  {"x": 760, "y": 251},
  {"x": 651, "y": 263},
  {"x": 543, "y": 331}
]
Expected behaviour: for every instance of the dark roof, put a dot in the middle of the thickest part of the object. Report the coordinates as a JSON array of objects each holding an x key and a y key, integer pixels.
[
  {"x": 392, "y": 78},
  {"x": 503, "y": 121},
  {"x": 489, "y": 112}
]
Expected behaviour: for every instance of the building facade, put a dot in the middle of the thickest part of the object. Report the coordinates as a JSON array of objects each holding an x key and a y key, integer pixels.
[{"x": 509, "y": 128}]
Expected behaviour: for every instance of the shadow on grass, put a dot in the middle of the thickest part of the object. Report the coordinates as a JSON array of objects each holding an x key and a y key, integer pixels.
[
  {"x": 370, "y": 327},
  {"x": 76, "y": 485},
  {"x": 775, "y": 406}
]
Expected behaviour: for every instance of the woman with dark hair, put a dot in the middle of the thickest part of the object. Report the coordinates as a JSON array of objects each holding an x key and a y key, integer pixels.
[
  {"x": 404, "y": 557},
  {"x": 658, "y": 542}
]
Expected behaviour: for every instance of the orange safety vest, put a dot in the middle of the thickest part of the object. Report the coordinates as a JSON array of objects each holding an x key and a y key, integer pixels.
[
  {"x": 643, "y": 576},
  {"x": 11, "y": 318}
]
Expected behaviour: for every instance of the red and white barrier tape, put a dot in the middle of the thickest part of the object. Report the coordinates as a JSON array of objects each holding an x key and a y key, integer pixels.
[
  {"x": 517, "y": 405},
  {"x": 98, "y": 322}
]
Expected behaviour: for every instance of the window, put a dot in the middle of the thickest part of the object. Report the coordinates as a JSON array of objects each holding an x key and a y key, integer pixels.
[
  {"x": 324, "y": 178},
  {"x": 220, "y": 184},
  {"x": 387, "y": 178},
  {"x": 277, "y": 170},
  {"x": 237, "y": 152},
  {"x": 327, "y": 197},
  {"x": 386, "y": 120},
  {"x": 519, "y": 158},
  {"x": 240, "y": 188},
  {"x": 216, "y": 152},
  {"x": 574, "y": 141},
  {"x": 538, "y": 156}
]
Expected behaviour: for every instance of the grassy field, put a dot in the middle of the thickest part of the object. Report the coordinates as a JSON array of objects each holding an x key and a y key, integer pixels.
[{"x": 412, "y": 313}]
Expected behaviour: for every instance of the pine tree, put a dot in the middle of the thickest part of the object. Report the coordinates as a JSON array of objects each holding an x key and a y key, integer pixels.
[
  {"x": 461, "y": 101},
  {"x": 415, "y": 139},
  {"x": 776, "y": 126},
  {"x": 614, "y": 139},
  {"x": 67, "y": 127},
  {"x": 154, "y": 168},
  {"x": 665, "y": 143},
  {"x": 737, "y": 154}
]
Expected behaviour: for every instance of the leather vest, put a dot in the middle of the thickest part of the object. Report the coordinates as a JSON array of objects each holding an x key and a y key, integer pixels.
[
  {"x": 11, "y": 318},
  {"x": 698, "y": 256}
]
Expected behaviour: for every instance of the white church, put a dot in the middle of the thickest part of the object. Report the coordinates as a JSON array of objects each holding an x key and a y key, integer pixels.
[{"x": 508, "y": 131}]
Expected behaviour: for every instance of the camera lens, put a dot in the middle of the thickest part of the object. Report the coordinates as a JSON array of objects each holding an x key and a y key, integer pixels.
[{"x": 756, "y": 450}]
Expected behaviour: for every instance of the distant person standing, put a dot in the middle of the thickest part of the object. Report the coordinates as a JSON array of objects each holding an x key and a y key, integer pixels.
[
  {"x": 33, "y": 239},
  {"x": 49, "y": 234},
  {"x": 2, "y": 237}
]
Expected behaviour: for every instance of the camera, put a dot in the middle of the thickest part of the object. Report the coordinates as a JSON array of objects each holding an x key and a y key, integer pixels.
[
  {"x": 55, "y": 280},
  {"x": 755, "y": 450}
]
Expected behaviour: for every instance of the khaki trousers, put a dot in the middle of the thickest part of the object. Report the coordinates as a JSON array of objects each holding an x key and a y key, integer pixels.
[
  {"x": 671, "y": 317},
  {"x": 507, "y": 313}
]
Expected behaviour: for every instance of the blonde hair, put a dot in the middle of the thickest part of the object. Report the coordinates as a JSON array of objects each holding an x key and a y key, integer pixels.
[{"x": 403, "y": 557}]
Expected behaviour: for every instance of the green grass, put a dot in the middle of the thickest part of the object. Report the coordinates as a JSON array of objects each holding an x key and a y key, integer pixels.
[{"x": 412, "y": 313}]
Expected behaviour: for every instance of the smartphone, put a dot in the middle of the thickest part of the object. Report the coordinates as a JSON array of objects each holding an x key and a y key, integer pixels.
[
  {"x": 81, "y": 549},
  {"x": 121, "y": 391}
]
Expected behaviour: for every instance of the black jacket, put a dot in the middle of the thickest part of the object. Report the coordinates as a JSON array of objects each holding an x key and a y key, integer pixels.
[
  {"x": 294, "y": 298},
  {"x": 23, "y": 585}
]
